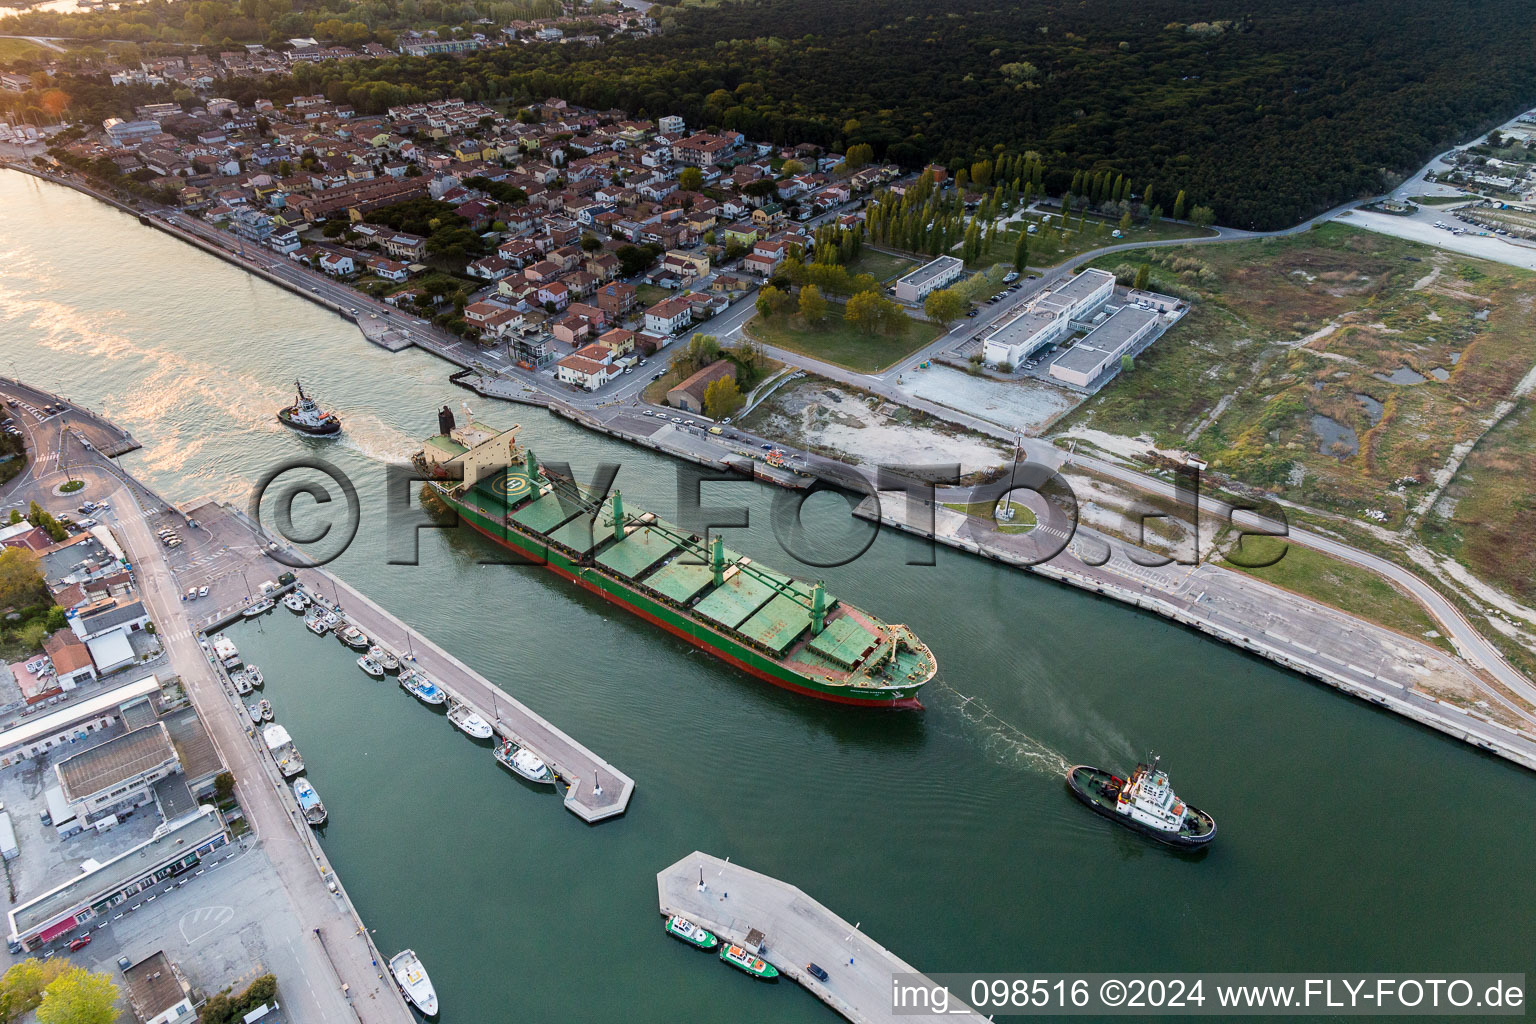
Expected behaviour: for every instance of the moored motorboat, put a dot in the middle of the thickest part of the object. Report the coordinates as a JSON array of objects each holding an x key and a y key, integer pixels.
[
  {"x": 309, "y": 801},
  {"x": 242, "y": 684},
  {"x": 682, "y": 928},
  {"x": 225, "y": 650},
  {"x": 422, "y": 688},
  {"x": 332, "y": 620},
  {"x": 254, "y": 711},
  {"x": 294, "y": 602},
  {"x": 259, "y": 608},
  {"x": 414, "y": 984},
  {"x": 468, "y": 722},
  {"x": 316, "y": 623},
  {"x": 253, "y": 675},
  {"x": 742, "y": 960},
  {"x": 388, "y": 662},
  {"x": 353, "y": 637},
  {"x": 283, "y": 751},
  {"x": 371, "y": 667},
  {"x": 265, "y": 708},
  {"x": 524, "y": 762},
  {"x": 1144, "y": 803}
]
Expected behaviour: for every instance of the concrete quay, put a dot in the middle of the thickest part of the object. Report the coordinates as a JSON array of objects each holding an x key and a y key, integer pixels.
[
  {"x": 789, "y": 929},
  {"x": 596, "y": 790},
  {"x": 1375, "y": 664}
]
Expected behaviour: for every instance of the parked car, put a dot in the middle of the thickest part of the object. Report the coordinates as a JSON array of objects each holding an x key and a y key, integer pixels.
[
  {"x": 76, "y": 945},
  {"x": 816, "y": 972},
  {"x": 202, "y": 591}
]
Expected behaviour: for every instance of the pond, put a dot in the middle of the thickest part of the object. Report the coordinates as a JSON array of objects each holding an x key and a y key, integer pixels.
[{"x": 1333, "y": 437}]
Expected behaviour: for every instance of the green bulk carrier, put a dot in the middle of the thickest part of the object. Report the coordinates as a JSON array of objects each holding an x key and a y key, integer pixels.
[{"x": 787, "y": 631}]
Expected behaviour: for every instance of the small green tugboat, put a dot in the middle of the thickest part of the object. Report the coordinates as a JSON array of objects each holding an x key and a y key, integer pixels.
[
  {"x": 1144, "y": 803},
  {"x": 754, "y": 965},
  {"x": 682, "y": 928}
]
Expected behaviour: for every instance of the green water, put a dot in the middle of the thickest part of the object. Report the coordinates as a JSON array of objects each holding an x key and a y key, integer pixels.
[{"x": 1350, "y": 840}]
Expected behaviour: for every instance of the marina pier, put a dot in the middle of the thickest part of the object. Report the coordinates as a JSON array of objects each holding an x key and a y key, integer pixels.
[
  {"x": 596, "y": 790},
  {"x": 790, "y": 929}
]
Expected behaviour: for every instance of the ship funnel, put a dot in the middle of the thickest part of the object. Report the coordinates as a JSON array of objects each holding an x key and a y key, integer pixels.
[
  {"x": 445, "y": 422},
  {"x": 531, "y": 466},
  {"x": 618, "y": 516},
  {"x": 717, "y": 559},
  {"x": 818, "y": 608}
]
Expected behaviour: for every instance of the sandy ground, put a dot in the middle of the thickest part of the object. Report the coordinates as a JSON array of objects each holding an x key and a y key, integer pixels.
[
  {"x": 825, "y": 416},
  {"x": 1027, "y": 405},
  {"x": 1421, "y": 228}
]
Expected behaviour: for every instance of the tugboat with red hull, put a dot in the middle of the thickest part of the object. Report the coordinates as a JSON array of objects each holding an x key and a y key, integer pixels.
[{"x": 1144, "y": 803}]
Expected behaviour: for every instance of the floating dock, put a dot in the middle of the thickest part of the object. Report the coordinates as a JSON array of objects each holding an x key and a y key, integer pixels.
[{"x": 789, "y": 930}]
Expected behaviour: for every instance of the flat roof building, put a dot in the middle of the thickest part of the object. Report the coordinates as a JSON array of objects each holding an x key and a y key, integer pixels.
[
  {"x": 1017, "y": 338},
  {"x": 157, "y": 991},
  {"x": 931, "y": 276},
  {"x": 175, "y": 847},
  {"x": 74, "y": 721},
  {"x": 119, "y": 774},
  {"x": 1080, "y": 296},
  {"x": 1102, "y": 347}
]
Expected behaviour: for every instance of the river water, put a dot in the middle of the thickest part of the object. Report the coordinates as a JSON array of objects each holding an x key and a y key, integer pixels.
[{"x": 1350, "y": 839}]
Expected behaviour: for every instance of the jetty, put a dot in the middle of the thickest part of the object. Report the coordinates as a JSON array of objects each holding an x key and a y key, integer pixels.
[
  {"x": 789, "y": 929},
  {"x": 596, "y": 790}
]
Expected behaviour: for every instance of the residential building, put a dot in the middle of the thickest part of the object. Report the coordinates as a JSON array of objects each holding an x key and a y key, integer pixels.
[
  {"x": 616, "y": 298},
  {"x": 915, "y": 286},
  {"x": 157, "y": 991},
  {"x": 669, "y": 316}
]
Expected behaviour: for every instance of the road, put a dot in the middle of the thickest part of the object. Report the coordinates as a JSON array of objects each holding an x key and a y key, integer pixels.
[{"x": 345, "y": 957}]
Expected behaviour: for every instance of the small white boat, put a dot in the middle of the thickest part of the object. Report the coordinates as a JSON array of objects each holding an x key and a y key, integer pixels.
[
  {"x": 242, "y": 684},
  {"x": 294, "y": 602},
  {"x": 283, "y": 751},
  {"x": 309, "y": 801},
  {"x": 253, "y": 675},
  {"x": 414, "y": 984},
  {"x": 524, "y": 762},
  {"x": 353, "y": 637},
  {"x": 422, "y": 688},
  {"x": 388, "y": 662},
  {"x": 259, "y": 608},
  {"x": 332, "y": 620},
  {"x": 316, "y": 625},
  {"x": 265, "y": 708},
  {"x": 255, "y": 712},
  {"x": 470, "y": 724},
  {"x": 371, "y": 667},
  {"x": 225, "y": 650}
]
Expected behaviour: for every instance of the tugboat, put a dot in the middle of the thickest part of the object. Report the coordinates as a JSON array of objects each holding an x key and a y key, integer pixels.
[
  {"x": 1144, "y": 803},
  {"x": 307, "y": 417}
]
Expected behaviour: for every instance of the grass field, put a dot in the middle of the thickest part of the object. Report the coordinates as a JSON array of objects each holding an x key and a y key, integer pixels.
[
  {"x": 837, "y": 341},
  {"x": 1023, "y": 516},
  {"x": 23, "y": 49},
  {"x": 1051, "y": 245},
  {"x": 647, "y": 295},
  {"x": 1347, "y": 587},
  {"x": 884, "y": 266},
  {"x": 1439, "y": 200},
  {"x": 1284, "y": 359}
]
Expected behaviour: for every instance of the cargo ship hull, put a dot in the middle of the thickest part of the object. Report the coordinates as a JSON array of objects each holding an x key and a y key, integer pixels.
[{"x": 722, "y": 647}]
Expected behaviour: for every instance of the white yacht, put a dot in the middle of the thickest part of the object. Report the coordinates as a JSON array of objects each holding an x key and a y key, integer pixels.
[
  {"x": 293, "y": 601},
  {"x": 371, "y": 667},
  {"x": 414, "y": 984}
]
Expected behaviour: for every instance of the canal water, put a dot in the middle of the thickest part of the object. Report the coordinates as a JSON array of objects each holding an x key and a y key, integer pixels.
[{"x": 1350, "y": 839}]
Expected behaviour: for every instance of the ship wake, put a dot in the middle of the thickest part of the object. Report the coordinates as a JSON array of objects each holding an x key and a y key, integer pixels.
[{"x": 1000, "y": 739}]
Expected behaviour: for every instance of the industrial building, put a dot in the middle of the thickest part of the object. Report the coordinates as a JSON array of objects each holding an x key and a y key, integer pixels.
[
  {"x": 940, "y": 273},
  {"x": 76, "y": 720},
  {"x": 1048, "y": 319},
  {"x": 176, "y": 847},
  {"x": 1103, "y": 346}
]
